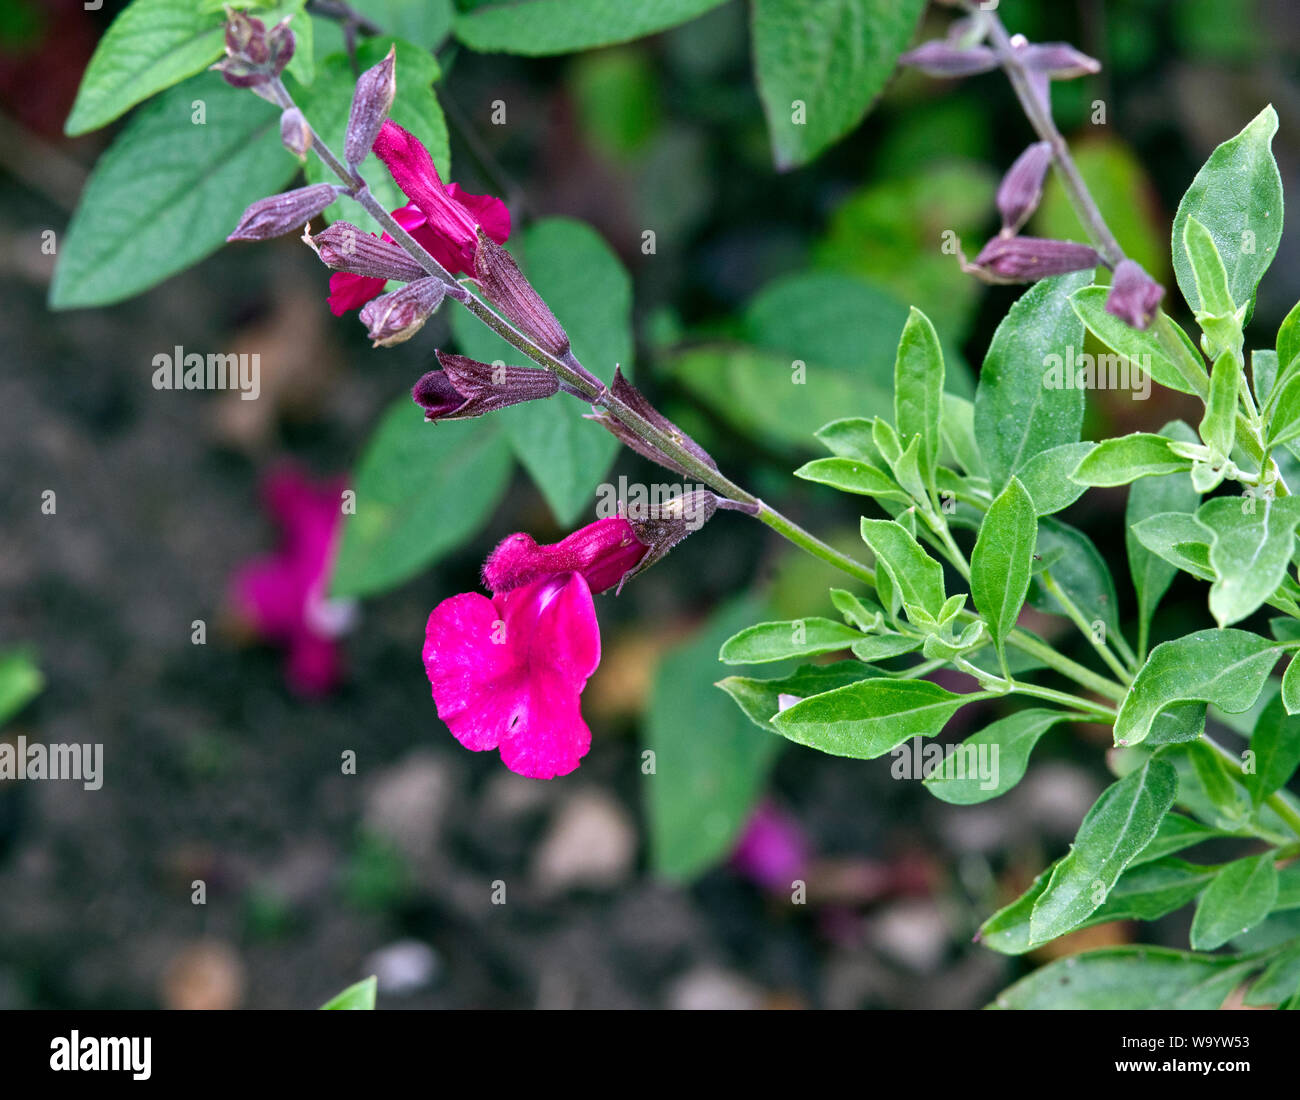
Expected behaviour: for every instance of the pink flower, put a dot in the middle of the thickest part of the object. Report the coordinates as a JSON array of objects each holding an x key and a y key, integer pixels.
[
  {"x": 773, "y": 850},
  {"x": 282, "y": 595},
  {"x": 444, "y": 219},
  {"x": 507, "y": 672}
]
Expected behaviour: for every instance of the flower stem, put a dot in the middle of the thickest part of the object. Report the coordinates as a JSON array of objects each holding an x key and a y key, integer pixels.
[{"x": 1038, "y": 110}]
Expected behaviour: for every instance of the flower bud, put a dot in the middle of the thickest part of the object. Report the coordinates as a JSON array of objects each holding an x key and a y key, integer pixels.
[
  {"x": 466, "y": 388},
  {"x": 939, "y": 58},
  {"x": 1057, "y": 60},
  {"x": 254, "y": 55},
  {"x": 294, "y": 132},
  {"x": 506, "y": 288},
  {"x": 1022, "y": 187},
  {"x": 371, "y": 102},
  {"x": 344, "y": 247},
  {"x": 395, "y": 317},
  {"x": 1027, "y": 259},
  {"x": 634, "y": 399},
  {"x": 667, "y": 524},
  {"x": 277, "y": 214},
  {"x": 1134, "y": 296}
]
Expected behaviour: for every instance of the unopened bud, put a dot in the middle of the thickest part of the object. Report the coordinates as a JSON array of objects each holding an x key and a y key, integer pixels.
[
  {"x": 1134, "y": 296},
  {"x": 294, "y": 132},
  {"x": 277, "y": 214},
  {"x": 395, "y": 317},
  {"x": 506, "y": 288},
  {"x": 635, "y": 400},
  {"x": 1022, "y": 186},
  {"x": 1027, "y": 259},
  {"x": 344, "y": 247},
  {"x": 371, "y": 102},
  {"x": 661, "y": 526},
  {"x": 466, "y": 388},
  {"x": 1057, "y": 60},
  {"x": 254, "y": 55},
  {"x": 939, "y": 58}
]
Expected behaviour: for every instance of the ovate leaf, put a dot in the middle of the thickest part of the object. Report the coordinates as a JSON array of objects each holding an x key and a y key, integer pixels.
[
  {"x": 169, "y": 190},
  {"x": 1017, "y": 414},
  {"x": 1003, "y": 559},
  {"x": 820, "y": 65},
  {"x": 867, "y": 719},
  {"x": 1251, "y": 543},
  {"x": 537, "y": 27},
  {"x": 1127, "y": 458},
  {"x": 1240, "y": 896},
  {"x": 421, "y": 490},
  {"x": 1008, "y": 743},
  {"x": 1224, "y": 668},
  {"x": 779, "y": 641},
  {"x": 1237, "y": 196},
  {"x": 1120, "y": 824}
]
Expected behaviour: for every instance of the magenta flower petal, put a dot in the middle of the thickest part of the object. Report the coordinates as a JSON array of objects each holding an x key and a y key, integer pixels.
[
  {"x": 508, "y": 672},
  {"x": 452, "y": 216},
  {"x": 773, "y": 850},
  {"x": 348, "y": 291},
  {"x": 602, "y": 552},
  {"x": 281, "y": 595}
]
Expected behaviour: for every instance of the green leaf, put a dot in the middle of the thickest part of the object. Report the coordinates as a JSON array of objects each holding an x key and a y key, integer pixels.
[
  {"x": 1240, "y": 896},
  {"x": 958, "y": 429},
  {"x": 857, "y": 611},
  {"x": 422, "y": 490},
  {"x": 1263, "y": 374},
  {"x": 1151, "y": 573},
  {"x": 168, "y": 191},
  {"x": 918, "y": 390},
  {"x": 20, "y": 682},
  {"x": 710, "y": 762},
  {"x": 1046, "y": 477},
  {"x": 761, "y": 699},
  {"x": 1238, "y": 192},
  {"x": 1136, "y": 977},
  {"x": 1120, "y": 824},
  {"x": 1288, "y": 339},
  {"x": 1208, "y": 272},
  {"x": 1279, "y": 981},
  {"x": 1249, "y": 551},
  {"x": 358, "y": 996},
  {"x": 1275, "y": 742},
  {"x": 328, "y": 101},
  {"x": 150, "y": 46},
  {"x": 1218, "y": 426},
  {"x": 539, "y": 27},
  {"x": 1176, "y": 832},
  {"x": 917, "y": 576},
  {"x": 869, "y": 718},
  {"x": 1011, "y": 740},
  {"x": 847, "y": 438},
  {"x": 426, "y": 23},
  {"x": 1224, "y": 668},
  {"x": 1128, "y": 457},
  {"x": 853, "y": 476},
  {"x": 586, "y": 286},
  {"x": 1081, "y": 573},
  {"x": 1291, "y": 687},
  {"x": 1178, "y": 539},
  {"x": 1141, "y": 347},
  {"x": 1003, "y": 559},
  {"x": 779, "y": 641},
  {"x": 820, "y": 66},
  {"x": 1017, "y": 415}
]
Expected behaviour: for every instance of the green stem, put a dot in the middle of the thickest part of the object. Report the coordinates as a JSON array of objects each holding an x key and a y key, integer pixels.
[
  {"x": 1277, "y": 802},
  {"x": 1080, "y": 674},
  {"x": 1085, "y": 628}
]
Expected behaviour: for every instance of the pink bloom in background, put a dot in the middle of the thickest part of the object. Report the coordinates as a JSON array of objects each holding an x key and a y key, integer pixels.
[
  {"x": 444, "y": 218},
  {"x": 773, "y": 850},
  {"x": 282, "y": 595},
  {"x": 507, "y": 672}
]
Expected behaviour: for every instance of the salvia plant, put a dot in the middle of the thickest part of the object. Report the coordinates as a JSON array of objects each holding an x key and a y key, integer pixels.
[{"x": 959, "y": 533}]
